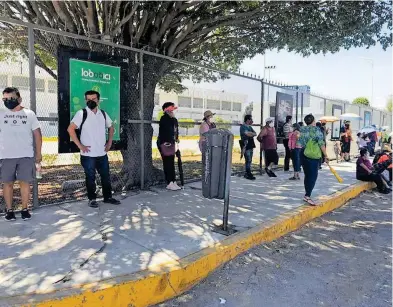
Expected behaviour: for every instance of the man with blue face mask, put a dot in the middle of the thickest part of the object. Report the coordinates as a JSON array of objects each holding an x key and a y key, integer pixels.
[{"x": 19, "y": 128}]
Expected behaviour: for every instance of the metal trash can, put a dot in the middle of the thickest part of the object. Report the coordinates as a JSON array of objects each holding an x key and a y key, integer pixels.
[{"x": 217, "y": 163}]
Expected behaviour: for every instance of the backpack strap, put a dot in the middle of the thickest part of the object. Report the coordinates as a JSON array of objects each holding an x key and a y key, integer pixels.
[
  {"x": 104, "y": 114},
  {"x": 83, "y": 120}
]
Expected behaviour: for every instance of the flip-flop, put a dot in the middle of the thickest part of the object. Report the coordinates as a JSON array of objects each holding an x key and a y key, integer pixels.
[{"x": 309, "y": 201}]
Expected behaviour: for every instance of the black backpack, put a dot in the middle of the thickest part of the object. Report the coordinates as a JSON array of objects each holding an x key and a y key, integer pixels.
[{"x": 79, "y": 131}]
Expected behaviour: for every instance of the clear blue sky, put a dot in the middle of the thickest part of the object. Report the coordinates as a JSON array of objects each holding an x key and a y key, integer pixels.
[{"x": 344, "y": 75}]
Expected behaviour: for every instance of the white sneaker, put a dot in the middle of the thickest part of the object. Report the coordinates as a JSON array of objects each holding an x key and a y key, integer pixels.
[
  {"x": 171, "y": 187},
  {"x": 176, "y": 186}
]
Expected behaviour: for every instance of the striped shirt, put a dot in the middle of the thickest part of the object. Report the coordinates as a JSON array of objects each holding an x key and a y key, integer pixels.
[{"x": 287, "y": 129}]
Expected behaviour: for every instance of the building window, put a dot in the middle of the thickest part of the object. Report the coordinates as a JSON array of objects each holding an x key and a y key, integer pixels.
[
  {"x": 52, "y": 86},
  {"x": 184, "y": 102},
  {"x": 213, "y": 104},
  {"x": 3, "y": 81},
  {"x": 22, "y": 83},
  {"x": 156, "y": 99},
  {"x": 40, "y": 85},
  {"x": 237, "y": 107},
  {"x": 197, "y": 103},
  {"x": 226, "y": 105}
]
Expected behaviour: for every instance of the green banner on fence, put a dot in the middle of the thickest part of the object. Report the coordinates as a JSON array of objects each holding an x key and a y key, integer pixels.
[{"x": 104, "y": 79}]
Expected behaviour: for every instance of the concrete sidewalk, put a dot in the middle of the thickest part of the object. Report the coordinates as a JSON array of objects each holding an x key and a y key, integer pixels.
[{"x": 71, "y": 244}]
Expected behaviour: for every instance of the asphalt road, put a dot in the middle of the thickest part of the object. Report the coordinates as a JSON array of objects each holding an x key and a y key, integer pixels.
[{"x": 341, "y": 259}]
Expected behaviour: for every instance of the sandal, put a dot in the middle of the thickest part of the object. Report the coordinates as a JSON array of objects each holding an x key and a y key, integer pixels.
[
  {"x": 309, "y": 201},
  {"x": 292, "y": 178}
]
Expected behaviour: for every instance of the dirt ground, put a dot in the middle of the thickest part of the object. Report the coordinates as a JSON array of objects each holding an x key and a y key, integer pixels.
[{"x": 341, "y": 259}]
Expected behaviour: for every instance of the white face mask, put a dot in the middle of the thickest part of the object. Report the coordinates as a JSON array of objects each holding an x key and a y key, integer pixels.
[
  {"x": 210, "y": 120},
  {"x": 271, "y": 125}
]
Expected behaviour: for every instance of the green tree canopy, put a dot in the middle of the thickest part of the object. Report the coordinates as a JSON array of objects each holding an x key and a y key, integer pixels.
[
  {"x": 361, "y": 100},
  {"x": 217, "y": 33}
]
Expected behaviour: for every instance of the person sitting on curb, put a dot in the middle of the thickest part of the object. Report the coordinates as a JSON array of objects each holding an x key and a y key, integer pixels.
[
  {"x": 247, "y": 135},
  {"x": 267, "y": 137},
  {"x": 364, "y": 172}
]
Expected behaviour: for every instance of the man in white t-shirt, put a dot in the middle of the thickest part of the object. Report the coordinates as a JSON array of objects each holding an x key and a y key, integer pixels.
[
  {"x": 19, "y": 127},
  {"x": 92, "y": 123}
]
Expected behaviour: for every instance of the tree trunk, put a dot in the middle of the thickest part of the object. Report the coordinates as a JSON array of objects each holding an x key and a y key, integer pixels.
[{"x": 132, "y": 162}]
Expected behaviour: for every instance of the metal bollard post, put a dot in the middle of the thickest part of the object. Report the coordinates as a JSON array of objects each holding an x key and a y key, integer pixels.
[{"x": 227, "y": 185}]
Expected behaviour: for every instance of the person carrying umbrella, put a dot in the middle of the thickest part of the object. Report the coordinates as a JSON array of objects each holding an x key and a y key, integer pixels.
[{"x": 311, "y": 140}]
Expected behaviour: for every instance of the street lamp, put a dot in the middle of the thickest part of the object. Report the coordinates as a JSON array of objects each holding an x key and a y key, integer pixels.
[
  {"x": 269, "y": 68},
  {"x": 372, "y": 77}
]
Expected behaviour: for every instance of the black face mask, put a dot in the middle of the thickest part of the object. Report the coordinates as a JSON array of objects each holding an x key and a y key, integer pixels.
[
  {"x": 11, "y": 103},
  {"x": 91, "y": 104}
]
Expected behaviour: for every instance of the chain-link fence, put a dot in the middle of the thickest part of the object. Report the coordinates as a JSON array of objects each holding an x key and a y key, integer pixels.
[{"x": 147, "y": 81}]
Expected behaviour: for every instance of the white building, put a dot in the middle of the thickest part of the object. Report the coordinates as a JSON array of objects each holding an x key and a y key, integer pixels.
[{"x": 192, "y": 102}]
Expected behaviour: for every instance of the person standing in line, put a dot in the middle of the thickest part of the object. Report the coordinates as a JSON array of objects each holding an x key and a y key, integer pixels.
[
  {"x": 19, "y": 132},
  {"x": 311, "y": 140},
  {"x": 267, "y": 137},
  {"x": 295, "y": 148},
  {"x": 346, "y": 138},
  {"x": 92, "y": 123},
  {"x": 207, "y": 124},
  {"x": 168, "y": 136},
  {"x": 247, "y": 135},
  {"x": 287, "y": 129}
]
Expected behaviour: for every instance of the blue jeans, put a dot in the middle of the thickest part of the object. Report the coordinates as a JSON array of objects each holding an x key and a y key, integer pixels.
[
  {"x": 295, "y": 153},
  {"x": 101, "y": 165},
  {"x": 310, "y": 168},
  {"x": 248, "y": 159}
]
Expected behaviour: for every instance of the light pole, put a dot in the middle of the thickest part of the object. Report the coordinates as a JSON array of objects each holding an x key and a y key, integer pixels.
[
  {"x": 269, "y": 68},
  {"x": 372, "y": 77}
]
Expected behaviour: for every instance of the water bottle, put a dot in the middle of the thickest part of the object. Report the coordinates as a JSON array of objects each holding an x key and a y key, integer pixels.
[{"x": 38, "y": 174}]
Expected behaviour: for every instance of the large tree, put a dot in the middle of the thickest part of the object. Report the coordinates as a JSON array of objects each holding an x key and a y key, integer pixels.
[{"x": 217, "y": 33}]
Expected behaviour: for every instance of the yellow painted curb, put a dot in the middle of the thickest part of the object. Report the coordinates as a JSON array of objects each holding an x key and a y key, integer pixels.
[{"x": 171, "y": 279}]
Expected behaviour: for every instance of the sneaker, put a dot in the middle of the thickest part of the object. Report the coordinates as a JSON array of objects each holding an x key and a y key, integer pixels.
[
  {"x": 385, "y": 191},
  {"x": 93, "y": 203},
  {"x": 10, "y": 215},
  {"x": 176, "y": 186},
  {"x": 270, "y": 173},
  {"x": 293, "y": 178},
  {"x": 25, "y": 214},
  {"x": 171, "y": 187},
  {"x": 112, "y": 201},
  {"x": 249, "y": 176}
]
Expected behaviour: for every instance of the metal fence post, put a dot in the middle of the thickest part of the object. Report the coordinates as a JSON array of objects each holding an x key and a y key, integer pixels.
[
  {"x": 301, "y": 107},
  {"x": 33, "y": 102},
  {"x": 142, "y": 115},
  {"x": 262, "y": 114},
  {"x": 324, "y": 107},
  {"x": 297, "y": 103}
]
